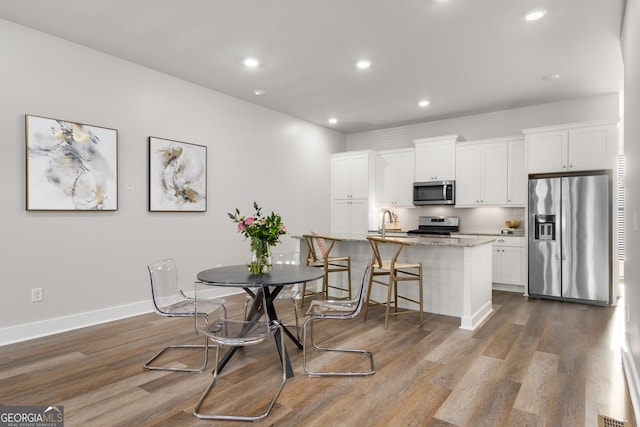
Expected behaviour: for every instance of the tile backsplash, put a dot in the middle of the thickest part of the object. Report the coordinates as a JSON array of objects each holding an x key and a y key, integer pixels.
[{"x": 471, "y": 219}]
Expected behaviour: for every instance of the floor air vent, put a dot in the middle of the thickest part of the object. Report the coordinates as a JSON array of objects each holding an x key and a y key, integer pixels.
[{"x": 604, "y": 421}]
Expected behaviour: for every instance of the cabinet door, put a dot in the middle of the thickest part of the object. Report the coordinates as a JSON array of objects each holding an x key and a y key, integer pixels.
[
  {"x": 468, "y": 173},
  {"x": 340, "y": 177},
  {"x": 496, "y": 263},
  {"x": 359, "y": 176},
  {"x": 445, "y": 167},
  {"x": 511, "y": 265},
  {"x": 358, "y": 216},
  {"x": 394, "y": 179},
  {"x": 340, "y": 212},
  {"x": 350, "y": 176},
  {"x": 517, "y": 174},
  {"x": 494, "y": 174},
  {"x": 425, "y": 162},
  {"x": 435, "y": 161},
  {"x": 547, "y": 152},
  {"x": 592, "y": 148},
  {"x": 404, "y": 179},
  {"x": 385, "y": 180},
  {"x": 350, "y": 216}
]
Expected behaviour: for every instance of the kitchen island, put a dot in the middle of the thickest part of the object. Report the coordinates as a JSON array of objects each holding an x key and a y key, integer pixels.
[{"x": 456, "y": 272}]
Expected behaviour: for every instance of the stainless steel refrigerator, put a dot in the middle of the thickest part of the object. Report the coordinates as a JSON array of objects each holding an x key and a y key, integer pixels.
[{"x": 570, "y": 237}]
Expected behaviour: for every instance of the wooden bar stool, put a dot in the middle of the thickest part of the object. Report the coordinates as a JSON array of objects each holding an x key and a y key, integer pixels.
[
  {"x": 319, "y": 255},
  {"x": 397, "y": 272}
]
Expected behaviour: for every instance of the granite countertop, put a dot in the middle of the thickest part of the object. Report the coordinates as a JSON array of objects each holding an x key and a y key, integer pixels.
[
  {"x": 516, "y": 233},
  {"x": 419, "y": 240}
]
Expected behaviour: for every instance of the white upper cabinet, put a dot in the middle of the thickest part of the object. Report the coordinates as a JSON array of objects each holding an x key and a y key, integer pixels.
[
  {"x": 394, "y": 178},
  {"x": 571, "y": 148},
  {"x": 517, "y": 173},
  {"x": 481, "y": 173},
  {"x": 435, "y": 158},
  {"x": 351, "y": 175}
]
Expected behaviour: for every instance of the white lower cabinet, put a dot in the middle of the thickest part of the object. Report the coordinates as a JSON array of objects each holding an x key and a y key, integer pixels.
[
  {"x": 509, "y": 261},
  {"x": 506, "y": 265}
]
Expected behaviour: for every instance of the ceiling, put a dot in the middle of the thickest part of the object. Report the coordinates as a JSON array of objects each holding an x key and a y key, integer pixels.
[{"x": 464, "y": 56}]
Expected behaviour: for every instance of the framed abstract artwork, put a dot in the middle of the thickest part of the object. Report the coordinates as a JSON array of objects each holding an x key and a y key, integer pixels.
[
  {"x": 70, "y": 166},
  {"x": 177, "y": 176}
]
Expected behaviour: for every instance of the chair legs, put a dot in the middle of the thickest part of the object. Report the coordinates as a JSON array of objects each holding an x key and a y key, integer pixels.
[
  {"x": 295, "y": 313},
  {"x": 308, "y": 324},
  {"x": 392, "y": 293},
  {"x": 208, "y": 416},
  {"x": 205, "y": 347},
  {"x": 336, "y": 268},
  {"x": 305, "y": 294}
]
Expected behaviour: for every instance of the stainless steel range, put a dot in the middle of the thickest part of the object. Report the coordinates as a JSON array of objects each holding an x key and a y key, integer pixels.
[{"x": 437, "y": 225}]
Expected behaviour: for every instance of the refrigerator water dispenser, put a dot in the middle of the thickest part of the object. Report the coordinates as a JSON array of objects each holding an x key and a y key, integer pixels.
[{"x": 545, "y": 227}]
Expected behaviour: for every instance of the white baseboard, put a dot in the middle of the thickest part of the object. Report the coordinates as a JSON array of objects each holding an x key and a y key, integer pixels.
[
  {"x": 472, "y": 322},
  {"x": 43, "y": 328},
  {"x": 520, "y": 289},
  {"x": 631, "y": 375}
]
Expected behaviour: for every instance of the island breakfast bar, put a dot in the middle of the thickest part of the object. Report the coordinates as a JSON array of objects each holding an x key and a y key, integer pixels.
[{"x": 456, "y": 272}]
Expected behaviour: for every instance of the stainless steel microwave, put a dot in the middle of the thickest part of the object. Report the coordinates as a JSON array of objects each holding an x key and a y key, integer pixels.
[{"x": 434, "y": 193}]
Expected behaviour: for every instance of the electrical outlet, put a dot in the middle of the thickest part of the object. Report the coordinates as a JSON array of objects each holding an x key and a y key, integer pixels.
[{"x": 36, "y": 294}]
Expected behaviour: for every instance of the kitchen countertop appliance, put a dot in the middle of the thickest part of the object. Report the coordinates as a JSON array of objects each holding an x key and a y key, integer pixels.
[
  {"x": 570, "y": 237},
  {"x": 437, "y": 226}
]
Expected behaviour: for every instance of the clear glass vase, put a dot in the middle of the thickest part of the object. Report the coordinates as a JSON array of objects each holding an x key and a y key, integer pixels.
[{"x": 260, "y": 257}]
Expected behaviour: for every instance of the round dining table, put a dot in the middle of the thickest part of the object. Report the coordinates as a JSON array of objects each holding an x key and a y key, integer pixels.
[{"x": 272, "y": 283}]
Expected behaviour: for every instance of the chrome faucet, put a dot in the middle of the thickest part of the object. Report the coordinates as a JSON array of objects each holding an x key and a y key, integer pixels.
[{"x": 387, "y": 211}]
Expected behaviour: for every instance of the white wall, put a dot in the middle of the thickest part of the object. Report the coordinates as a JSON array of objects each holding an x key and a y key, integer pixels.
[
  {"x": 631, "y": 56},
  {"x": 490, "y": 125},
  {"x": 96, "y": 262}
]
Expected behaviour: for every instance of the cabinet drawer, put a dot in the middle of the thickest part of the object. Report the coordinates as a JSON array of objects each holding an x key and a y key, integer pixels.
[{"x": 510, "y": 241}]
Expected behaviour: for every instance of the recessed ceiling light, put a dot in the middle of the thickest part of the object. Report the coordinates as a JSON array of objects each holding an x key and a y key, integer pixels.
[
  {"x": 258, "y": 92},
  {"x": 534, "y": 15},
  {"x": 551, "y": 77},
  {"x": 423, "y": 103},
  {"x": 251, "y": 62},
  {"x": 333, "y": 120},
  {"x": 363, "y": 64}
]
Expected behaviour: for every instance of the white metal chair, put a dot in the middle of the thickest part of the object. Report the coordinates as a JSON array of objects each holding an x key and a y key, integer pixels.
[
  {"x": 335, "y": 310},
  {"x": 231, "y": 326},
  {"x": 169, "y": 300}
]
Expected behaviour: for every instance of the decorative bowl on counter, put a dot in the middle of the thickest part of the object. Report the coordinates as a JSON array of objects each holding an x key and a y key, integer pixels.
[{"x": 514, "y": 223}]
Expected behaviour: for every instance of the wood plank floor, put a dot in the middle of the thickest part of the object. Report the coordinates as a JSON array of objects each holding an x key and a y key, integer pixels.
[{"x": 533, "y": 363}]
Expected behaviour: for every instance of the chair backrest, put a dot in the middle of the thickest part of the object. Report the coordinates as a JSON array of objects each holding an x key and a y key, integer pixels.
[
  {"x": 361, "y": 296},
  {"x": 165, "y": 288},
  {"x": 284, "y": 257},
  {"x": 342, "y": 309},
  {"x": 318, "y": 248},
  {"x": 287, "y": 258},
  {"x": 378, "y": 242}
]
